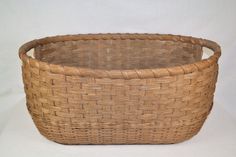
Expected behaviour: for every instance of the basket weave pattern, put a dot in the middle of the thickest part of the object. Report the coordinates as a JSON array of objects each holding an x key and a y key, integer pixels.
[{"x": 119, "y": 88}]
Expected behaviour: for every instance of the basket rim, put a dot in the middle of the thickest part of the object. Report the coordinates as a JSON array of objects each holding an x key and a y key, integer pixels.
[{"x": 121, "y": 73}]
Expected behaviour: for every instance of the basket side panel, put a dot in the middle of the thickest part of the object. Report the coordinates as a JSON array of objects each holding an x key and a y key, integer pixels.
[
  {"x": 119, "y": 54},
  {"x": 84, "y": 110}
]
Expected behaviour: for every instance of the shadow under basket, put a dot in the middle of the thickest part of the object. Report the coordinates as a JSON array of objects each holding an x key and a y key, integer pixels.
[{"x": 119, "y": 88}]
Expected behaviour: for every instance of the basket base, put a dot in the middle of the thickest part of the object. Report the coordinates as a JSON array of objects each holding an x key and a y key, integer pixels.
[
  {"x": 158, "y": 143},
  {"x": 135, "y": 140}
]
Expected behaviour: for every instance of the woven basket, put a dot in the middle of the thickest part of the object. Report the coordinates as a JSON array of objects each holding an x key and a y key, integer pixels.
[{"x": 119, "y": 88}]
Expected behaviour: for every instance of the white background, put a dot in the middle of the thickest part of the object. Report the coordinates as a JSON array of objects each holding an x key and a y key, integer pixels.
[{"x": 24, "y": 20}]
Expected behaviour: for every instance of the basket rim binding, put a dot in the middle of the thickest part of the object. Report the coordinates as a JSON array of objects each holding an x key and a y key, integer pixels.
[{"x": 121, "y": 74}]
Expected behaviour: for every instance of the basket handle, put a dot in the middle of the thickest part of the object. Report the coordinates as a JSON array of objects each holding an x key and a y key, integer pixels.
[{"x": 24, "y": 49}]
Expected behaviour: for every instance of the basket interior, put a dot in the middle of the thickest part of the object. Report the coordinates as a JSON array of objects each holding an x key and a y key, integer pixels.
[{"x": 119, "y": 54}]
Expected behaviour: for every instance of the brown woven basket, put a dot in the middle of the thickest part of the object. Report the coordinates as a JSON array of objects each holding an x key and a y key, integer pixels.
[{"x": 119, "y": 88}]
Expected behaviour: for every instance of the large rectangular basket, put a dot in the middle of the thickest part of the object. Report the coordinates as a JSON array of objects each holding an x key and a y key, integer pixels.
[{"x": 119, "y": 88}]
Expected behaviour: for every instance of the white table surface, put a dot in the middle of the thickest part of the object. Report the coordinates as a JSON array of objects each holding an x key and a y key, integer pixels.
[{"x": 216, "y": 139}]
